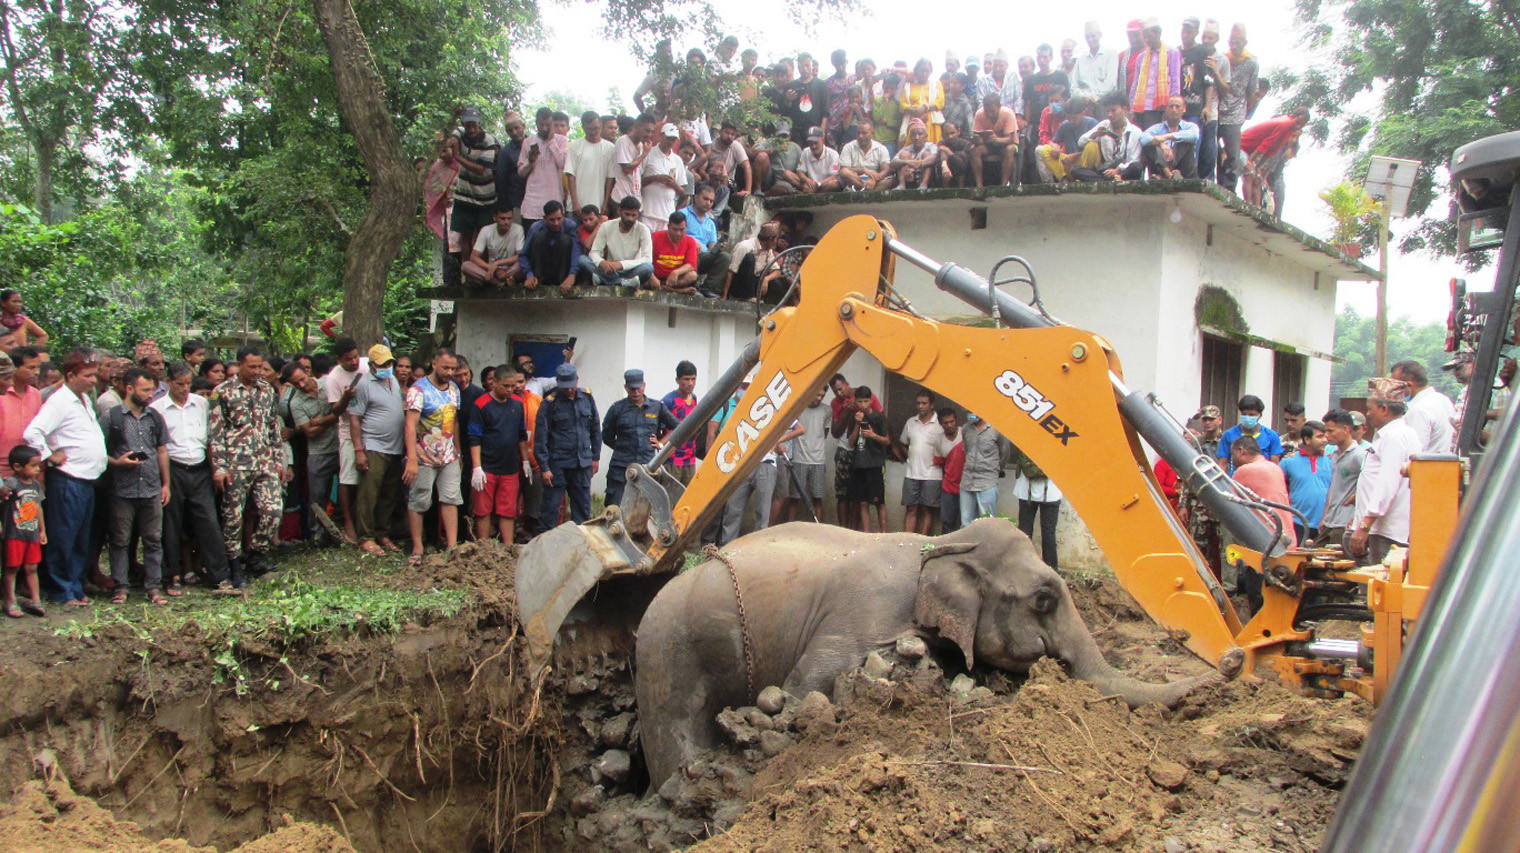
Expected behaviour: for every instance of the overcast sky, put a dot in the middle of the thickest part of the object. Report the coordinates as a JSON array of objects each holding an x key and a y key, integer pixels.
[{"x": 897, "y": 29}]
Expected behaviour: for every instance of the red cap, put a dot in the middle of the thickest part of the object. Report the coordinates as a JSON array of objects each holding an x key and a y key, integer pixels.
[{"x": 1134, "y": 26}]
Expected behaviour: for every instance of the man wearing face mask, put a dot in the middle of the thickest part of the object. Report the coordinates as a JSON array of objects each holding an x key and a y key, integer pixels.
[{"x": 1250, "y": 408}]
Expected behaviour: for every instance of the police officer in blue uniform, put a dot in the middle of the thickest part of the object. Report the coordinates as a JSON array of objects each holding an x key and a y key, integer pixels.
[
  {"x": 630, "y": 429},
  {"x": 567, "y": 443}
]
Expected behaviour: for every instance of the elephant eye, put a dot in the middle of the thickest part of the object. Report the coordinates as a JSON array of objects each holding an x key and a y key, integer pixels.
[{"x": 1044, "y": 601}]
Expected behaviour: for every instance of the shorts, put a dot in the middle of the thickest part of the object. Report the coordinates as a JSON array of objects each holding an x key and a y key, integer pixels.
[
  {"x": 920, "y": 492},
  {"x": 420, "y": 497},
  {"x": 19, "y": 553},
  {"x": 348, "y": 472},
  {"x": 844, "y": 459},
  {"x": 499, "y": 497},
  {"x": 867, "y": 486},
  {"x": 468, "y": 218},
  {"x": 811, "y": 477}
]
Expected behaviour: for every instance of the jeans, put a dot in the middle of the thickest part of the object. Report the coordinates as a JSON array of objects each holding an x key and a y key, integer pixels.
[
  {"x": 1050, "y": 513},
  {"x": 629, "y": 277},
  {"x": 1229, "y": 165},
  {"x": 976, "y": 505},
  {"x": 949, "y": 511},
  {"x": 575, "y": 482},
  {"x": 70, "y": 504},
  {"x": 1208, "y": 150},
  {"x": 762, "y": 483},
  {"x": 145, "y": 517},
  {"x": 192, "y": 510}
]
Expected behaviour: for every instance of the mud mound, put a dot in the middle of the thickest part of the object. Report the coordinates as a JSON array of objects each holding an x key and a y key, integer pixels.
[
  {"x": 488, "y": 568},
  {"x": 46, "y": 817},
  {"x": 1055, "y": 766}
]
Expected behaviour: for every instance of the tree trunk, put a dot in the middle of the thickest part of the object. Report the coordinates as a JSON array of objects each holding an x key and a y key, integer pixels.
[
  {"x": 392, "y": 210},
  {"x": 42, "y": 181}
]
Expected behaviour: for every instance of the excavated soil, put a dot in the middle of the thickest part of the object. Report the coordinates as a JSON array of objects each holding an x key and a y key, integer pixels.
[{"x": 438, "y": 738}]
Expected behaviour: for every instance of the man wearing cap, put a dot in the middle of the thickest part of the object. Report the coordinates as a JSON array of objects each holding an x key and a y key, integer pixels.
[
  {"x": 631, "y": 428},
  {"x": 1157, "y": 76},
  {"x": 1096, "y": 72},
  {"x": 1431, "y": 413},
  {"x": 1238, "y": 102},
  {"x": 1381, "y": 517},
  {"x": 567, "y": 444},
  {"x": 622, "y": 253},
  {"x": 819, "y": 165},
  {"x": 1202, "y": 526},
  {"x": 377, "y": 421},
  {"x": 1205, "y": 77},
  {"x": 663, "y": 178},
  {"x": 475, "y": 185},
  {"x": 247, "y": 461}
]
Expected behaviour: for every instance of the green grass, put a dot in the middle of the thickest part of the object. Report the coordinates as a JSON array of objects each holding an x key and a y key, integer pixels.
[{"x": 318, "y": 593}]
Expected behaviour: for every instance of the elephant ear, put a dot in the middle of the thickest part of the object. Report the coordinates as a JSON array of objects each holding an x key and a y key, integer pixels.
[{"x": 949, "y": 596}]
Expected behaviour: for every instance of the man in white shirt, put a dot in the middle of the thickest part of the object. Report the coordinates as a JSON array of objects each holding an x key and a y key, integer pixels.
[
  {"x": 1382, "y": 491},
  {"x": 919, "y": 447},
  {"x": 622, "y": 253},
  {"x": 192, "y": 503},
  {"x": 338, "y": 385},
  {"x": 628, "y": 158},
  {"x": 750, "y": 273},
  {"x": 1097, "y": 71},
  {"x": 819, "y": 166},
  {"x": 1431, "y": 413},
  {"x": 663, "y": 178},
  {"x": 808, "y": 459},
  {"x": 1120, "y": 147},
  {"x": 588, "y": 172},
  {"x": 863, "y": 163},
  {"x": 493, "y": 259},
  {"x": 73, "y": 448}
]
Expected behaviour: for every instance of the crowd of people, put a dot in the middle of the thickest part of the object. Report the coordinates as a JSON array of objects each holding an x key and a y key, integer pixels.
[
  {"x": 642, "y": 201},
  {"x": 1334, "y": 486}
]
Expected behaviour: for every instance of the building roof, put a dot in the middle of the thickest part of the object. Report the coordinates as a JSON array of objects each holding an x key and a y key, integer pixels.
[
  {"x": 1200, "y": 199},
  {"x": 590, "y": 294}
]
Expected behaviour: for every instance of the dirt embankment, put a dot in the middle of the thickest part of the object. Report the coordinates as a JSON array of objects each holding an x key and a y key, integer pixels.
[{"x": 431, "y": 739}]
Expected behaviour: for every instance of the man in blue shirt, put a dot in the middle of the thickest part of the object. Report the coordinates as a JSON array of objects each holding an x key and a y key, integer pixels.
[
  {"x": 567, "y": 442},
  {"x": 630, "y": 425},
  {"x": 702, "y": 226},
  {"x": 1308, "y": 473},
  {"x": 550, "y": 253},
  {"x": 1172, "y": 149},
  {"x": 1250, "y": 408}
]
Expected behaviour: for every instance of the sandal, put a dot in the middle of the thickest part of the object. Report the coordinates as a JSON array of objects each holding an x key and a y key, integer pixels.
[
  {"x": 415, "y": 561},
  {"x": 77, "y": 602},
  {"x": 157, "y": 597},
  {"x": 12, "y": 611},
  {"x": 174, "y": 590},
  {"x": 369, "y": 547},
  {"x": 226, "y": 588},
  {"x": 119, "y": 596},
  {"x": 33, "y": 607}
]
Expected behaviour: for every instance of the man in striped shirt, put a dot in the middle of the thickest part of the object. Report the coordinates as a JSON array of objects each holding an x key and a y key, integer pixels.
[{"x": 475, "y": 185}]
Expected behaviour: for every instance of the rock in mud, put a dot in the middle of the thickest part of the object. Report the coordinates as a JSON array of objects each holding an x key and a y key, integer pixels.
[
  {"x": 962, "y": 685},
  {"x": 613, "y": 766},
  {"x": 615, "y": 731},
  {"x": 580, "y": 685},
  {"x": 771, "y": 700},
  {"x": 587, "y": 801},
  {"x": 774, "y": 743},
  {"x": 759, "y": 719},
  {"x": 911, "y": 648},
  {"x": 877, "y": 666},
  {"x": 1167, "y": 774},
  {"x": 1173, "y": 844},
  {"x": 816, "y": 709},
  {"x": 1042, "y": 845},
  {"x": 736, "y": 729}
]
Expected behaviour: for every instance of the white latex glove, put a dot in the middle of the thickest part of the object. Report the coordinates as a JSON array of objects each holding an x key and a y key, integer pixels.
[{"x": 478, "y": 479}]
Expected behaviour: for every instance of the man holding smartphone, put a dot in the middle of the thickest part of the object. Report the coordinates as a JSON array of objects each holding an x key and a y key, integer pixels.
[{"x": 137, "y": 450}]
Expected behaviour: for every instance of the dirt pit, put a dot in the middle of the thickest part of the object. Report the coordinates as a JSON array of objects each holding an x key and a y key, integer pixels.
[{"x": 438, "y": 738}]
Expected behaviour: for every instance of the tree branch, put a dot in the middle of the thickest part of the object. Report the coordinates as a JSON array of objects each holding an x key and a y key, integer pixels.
[
  {"x": 326, "y": 205},
  {"x": 9, "y": 51}
]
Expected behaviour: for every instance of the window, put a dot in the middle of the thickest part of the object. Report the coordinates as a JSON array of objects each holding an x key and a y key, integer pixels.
[
  {"x": 1222, "y": 362},
  {"x": 548, "y": 351},
  {"x": 1287, "y": 383}
]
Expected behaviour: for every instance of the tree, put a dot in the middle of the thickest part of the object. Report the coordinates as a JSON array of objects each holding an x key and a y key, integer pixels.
[
  {"x": 1424, "y": 343},
  {"x": 1442, "y": 73}
]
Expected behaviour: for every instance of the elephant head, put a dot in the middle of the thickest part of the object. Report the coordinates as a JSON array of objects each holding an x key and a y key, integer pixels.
[{"x": 985, "y": 589}]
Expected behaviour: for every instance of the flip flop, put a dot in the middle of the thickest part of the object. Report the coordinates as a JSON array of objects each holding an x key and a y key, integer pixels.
[
  {"x": 174, "y": 591},
  {"x": 157, "y": 597},
  {"x": 13, "y": 611},
  {"x": 415, "y": 561},
  {"x": 33, "y": 608},
  {"x": 76, "y": 602},
  {"x": 226, "y": 588},
  {"x": 117, "y": 597}
]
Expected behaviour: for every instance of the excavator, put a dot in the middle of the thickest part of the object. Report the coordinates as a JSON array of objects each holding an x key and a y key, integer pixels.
[{"x": 1058, "y": 393}]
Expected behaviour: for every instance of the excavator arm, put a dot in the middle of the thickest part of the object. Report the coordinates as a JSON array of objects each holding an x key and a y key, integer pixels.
[{"x": 1053, "y": 390}]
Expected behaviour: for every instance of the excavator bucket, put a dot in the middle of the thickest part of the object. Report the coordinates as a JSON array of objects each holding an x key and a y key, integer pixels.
[{"x": 554, "y": 571}]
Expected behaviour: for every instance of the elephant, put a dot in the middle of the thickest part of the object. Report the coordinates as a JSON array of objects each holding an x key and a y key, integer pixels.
[{"x": 817, "y": 599}]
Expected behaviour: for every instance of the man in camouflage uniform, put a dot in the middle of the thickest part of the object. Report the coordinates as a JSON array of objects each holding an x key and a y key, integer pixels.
[
  {"x": 1202, "y": 526},
  {"x": 247, "y": 459}
]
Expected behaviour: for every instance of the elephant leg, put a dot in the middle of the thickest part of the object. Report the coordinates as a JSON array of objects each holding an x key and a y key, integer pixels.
[{"x": 826, "y": 659}]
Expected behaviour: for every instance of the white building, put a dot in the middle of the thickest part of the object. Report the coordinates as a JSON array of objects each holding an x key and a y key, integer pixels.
[{"x": 1203, "y": 297}]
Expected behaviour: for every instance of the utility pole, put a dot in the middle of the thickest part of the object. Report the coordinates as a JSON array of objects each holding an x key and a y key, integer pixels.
[
  {"x": 1381, "y": 333},
  {"x": 1389, "y": 180}
]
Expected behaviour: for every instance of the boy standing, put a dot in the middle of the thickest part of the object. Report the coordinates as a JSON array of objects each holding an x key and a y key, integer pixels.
[{"x": 23, "y": 531}]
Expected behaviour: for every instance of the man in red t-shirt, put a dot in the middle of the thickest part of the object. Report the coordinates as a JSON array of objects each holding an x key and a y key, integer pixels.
[{"x": 675, "y": 257}]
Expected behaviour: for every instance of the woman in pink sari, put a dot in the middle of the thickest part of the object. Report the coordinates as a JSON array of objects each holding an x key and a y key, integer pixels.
[{"x": 438, "y": 188}]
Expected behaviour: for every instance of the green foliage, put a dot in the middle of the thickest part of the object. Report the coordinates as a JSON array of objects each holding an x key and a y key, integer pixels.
[
  {"x": 1356, "y": 343},
  {"x": 1352, "y": 209},
  {"x": 1444, "y": 73}
]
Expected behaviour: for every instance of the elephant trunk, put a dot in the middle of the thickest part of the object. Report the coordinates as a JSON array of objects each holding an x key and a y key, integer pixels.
[{"x": 1082, "y": 654}]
